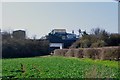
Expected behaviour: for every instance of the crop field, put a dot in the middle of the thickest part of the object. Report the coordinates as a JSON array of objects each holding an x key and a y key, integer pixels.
[{"x": 58, "y": 67}]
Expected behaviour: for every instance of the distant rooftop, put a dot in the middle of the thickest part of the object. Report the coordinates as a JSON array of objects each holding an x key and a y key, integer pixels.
[
  {"x": 19, "y": 30},
  {"x": 59, "y": 30}
]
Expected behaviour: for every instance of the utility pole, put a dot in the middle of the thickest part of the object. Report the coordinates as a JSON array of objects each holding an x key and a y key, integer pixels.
[
  {"x": 72, "y": 31},
  {"x": 79, "y": 32}
]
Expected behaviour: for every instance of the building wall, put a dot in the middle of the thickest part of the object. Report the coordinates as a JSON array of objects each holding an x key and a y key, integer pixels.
[
  {"x": 60, "y": 45},
  {"x": 20, "y": 34}
]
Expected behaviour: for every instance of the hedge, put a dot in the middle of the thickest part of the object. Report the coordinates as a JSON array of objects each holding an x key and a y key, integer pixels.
[{"x": 103, "y": 53}]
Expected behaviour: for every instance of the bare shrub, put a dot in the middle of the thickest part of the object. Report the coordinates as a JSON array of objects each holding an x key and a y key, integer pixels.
[
  {"x": 97, "y": 52},
  {"x": 119, "y": 53},
  {"x": 93, "y": 53},
  {"x": 57, "y": 52},
  {"x": 110, "y": 53},
  {"x": 104, "y": 53},
  {"x": 60, "y": 52},
  {"x": 89, "y": 53},
  {"x": 78, "y": 53},
  {"x": 70, "y": 53},
  {"x": 63, "y": 52}
]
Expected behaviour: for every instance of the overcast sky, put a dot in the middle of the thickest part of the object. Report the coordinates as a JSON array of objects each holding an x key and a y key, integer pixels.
[{"x": 39, "y": 18}]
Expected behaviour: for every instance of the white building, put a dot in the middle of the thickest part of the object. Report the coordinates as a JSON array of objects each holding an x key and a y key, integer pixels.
[{"x": 60, "y": 45}]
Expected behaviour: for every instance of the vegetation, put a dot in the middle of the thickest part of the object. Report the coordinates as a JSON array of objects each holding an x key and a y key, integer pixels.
[
  {"x": 104, "y": 53},
  {"x": 59, "y": 67},
  {"x": 14, "y": 48},
  {"x": 98, "y": 38}
]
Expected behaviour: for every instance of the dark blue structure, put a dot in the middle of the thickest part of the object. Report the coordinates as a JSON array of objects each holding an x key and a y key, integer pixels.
[{"x": 61, "y": 36}]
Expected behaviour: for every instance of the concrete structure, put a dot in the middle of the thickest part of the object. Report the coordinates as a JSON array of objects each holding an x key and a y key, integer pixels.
[{"x": 19, "y": 34}]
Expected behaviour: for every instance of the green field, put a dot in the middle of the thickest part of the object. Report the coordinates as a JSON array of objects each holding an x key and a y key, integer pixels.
[{"x": 58, "y": 67}]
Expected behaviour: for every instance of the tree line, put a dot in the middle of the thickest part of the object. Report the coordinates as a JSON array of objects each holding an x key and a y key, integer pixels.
[
  {"x": 14, "y": 48},
  {"x": 98, "y": 38}
]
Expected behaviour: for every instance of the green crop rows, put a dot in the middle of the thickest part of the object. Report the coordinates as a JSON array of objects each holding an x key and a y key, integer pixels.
[{"x": 58, "y": 67}]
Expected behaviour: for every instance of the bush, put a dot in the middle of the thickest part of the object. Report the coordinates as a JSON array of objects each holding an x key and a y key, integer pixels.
[
  {"x": 89, "y": 53},
  {"x": 110, "y": 53},
  {"x": 78, "y": 53},
  {"x": 93, "y": 53},
  {"x": 85, "y": 43},
  {"x": 114, "y": 40},
  {"x": 70, "y": 53},
  {"x": 99, "y": 43},
  {"x": 98, "y": 38},
  {"x": 60, "y": 52},
  {"x": 57, "y": 52},
  {"x": 104, "y": 53},
  {"x": 24, "y": 48}
]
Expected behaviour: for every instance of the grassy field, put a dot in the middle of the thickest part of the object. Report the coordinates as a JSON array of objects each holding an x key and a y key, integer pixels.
[{"x": 58, "y": 67}]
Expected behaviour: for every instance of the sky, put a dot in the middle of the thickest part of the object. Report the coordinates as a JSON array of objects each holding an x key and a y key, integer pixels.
[{"x": 39, "y": 18}]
